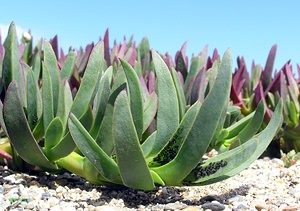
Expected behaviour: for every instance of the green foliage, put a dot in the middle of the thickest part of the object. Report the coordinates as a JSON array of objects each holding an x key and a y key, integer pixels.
[{"x": 129, "y": 116}]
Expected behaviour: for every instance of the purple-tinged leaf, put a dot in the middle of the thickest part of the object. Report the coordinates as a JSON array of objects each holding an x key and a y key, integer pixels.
[
  {"x": 211, "y": 60},
  {"x": 287, "y": 63},
  {"x": 5, "y": 155},
  {"x": 122, "y": 50},
  {"x": 169, "y": 61},
  {"x": 204, "y": 51},
  {"x": 258, "y": 96},
  {"x": 106, "y": 48},
  {"x": 215, "y": 55},
  {"x": 21, "y": 48},
  {"x": 292, "y": 86},
  {"x": 245, "y": 73},
  {"x": 240, "y": 61},
  {"x": 291, "y": 82},
  {"x": 237, "y": 100},
  {"x": 209, "y": 63},
  {"x": 278, "y": 85},
  {"x": 267, "y": 73},
  {"x": 253, "y": 66},
  {"x": 151, "y": 82},
  {"x": 61, "y": 59},
  {"x": 197, "y": 63},
  {"x": 85, "y": 58},
  {"x": 298, "y": 70},
  {"x": 114, "y": 52},
  {"x": 144, "y": 88},
  {"x": 62, "y": 54},
  {"x": 54, "y": 44},
  {"x": 180, "y": 76},
  {"x": 240, "y": 86},
  {"x": 241, "y": 74},
  {"x": 235, "y": 97},
  {"x": 181, "y": 61},
  {"x": 237, "y": 77},
  {"x": 75, "y": 81},
  {"x": 2, "y": 52},
  {"x": 133, "y": 56}
]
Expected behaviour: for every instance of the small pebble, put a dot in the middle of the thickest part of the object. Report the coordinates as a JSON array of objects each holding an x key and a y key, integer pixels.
[
  {"x": 241, "y": 207},
  {"x": 214, "y": 206},
  {"x": 175, "y": 206},
  {"x": 261, "y": 207}
]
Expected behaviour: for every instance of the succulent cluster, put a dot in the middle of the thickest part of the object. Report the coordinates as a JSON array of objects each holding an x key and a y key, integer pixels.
[
  {"x": 129, "y": 116},
  {"x": 263, "y": 84}
]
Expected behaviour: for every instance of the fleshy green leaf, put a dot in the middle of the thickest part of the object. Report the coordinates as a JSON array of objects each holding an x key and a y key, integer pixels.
[
  {"x": 105, "y": 135},
  {"x": 68, "y": 66},
  {"x": 89, "y": 81},
  {"x": 19, "y": 130},
  {"x": 170, "y": 151},
  {"x": 89, "y": 148},
  {"x": 168, "y": 109},
  {"x": 47, "y": 97},
  {"x": 2, "y": 123},
  {"x": 64, "y": 103},
  {"x": 54, "y": 133},
  {"x": 196, "y": 64},
  {"x": 11, "y": 62},
  {"x": 242, "y": 156},
  {"x": 236, "y": 128},
  {"x": 148, "y": 143},
  {"x": 254, "y": 125},
  {"x": 87, "y": 119},
  {"x": 143, "y": 53},
  {"x": 62, "y": 149},
  {"x": 36, "y": 65},
  {"x": 180, "y": 93},
  {"x": 136, "y": 99},
  {"x": 131, "y": 162},
  {"x": 34, "y": 101},
  {"x": 38, "y": 131},
  {"x": 150, "y": 109},
  {"x": 100, "y": 101},
  {"x": 50, "y": 63},
  {"x": 203, "y": 130}
]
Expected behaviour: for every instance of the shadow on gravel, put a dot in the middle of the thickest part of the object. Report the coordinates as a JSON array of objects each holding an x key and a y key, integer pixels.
[
  {"x": 163, "y": 195},
  {"x": 131, "y": 198},
  {"x": 134, "y": 198}
]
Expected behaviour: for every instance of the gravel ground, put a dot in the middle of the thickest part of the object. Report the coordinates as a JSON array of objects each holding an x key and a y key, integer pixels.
[{"x": 265, "y": 185}]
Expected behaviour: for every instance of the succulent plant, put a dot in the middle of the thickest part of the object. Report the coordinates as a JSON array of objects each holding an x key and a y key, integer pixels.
[
  {"x": 172, "y": 154},
  {"x": 114, "y": 131},
  {"x": 290, "y": 158},
  {"x": 270, "y": 87}
]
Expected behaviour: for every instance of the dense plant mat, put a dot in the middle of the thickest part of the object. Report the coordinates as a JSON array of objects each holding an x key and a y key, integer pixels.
[{"x": 128, "y": 116}]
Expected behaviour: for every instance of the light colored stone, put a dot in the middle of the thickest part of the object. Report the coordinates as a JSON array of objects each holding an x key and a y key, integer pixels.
[{"x": 214, "y": 206}]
